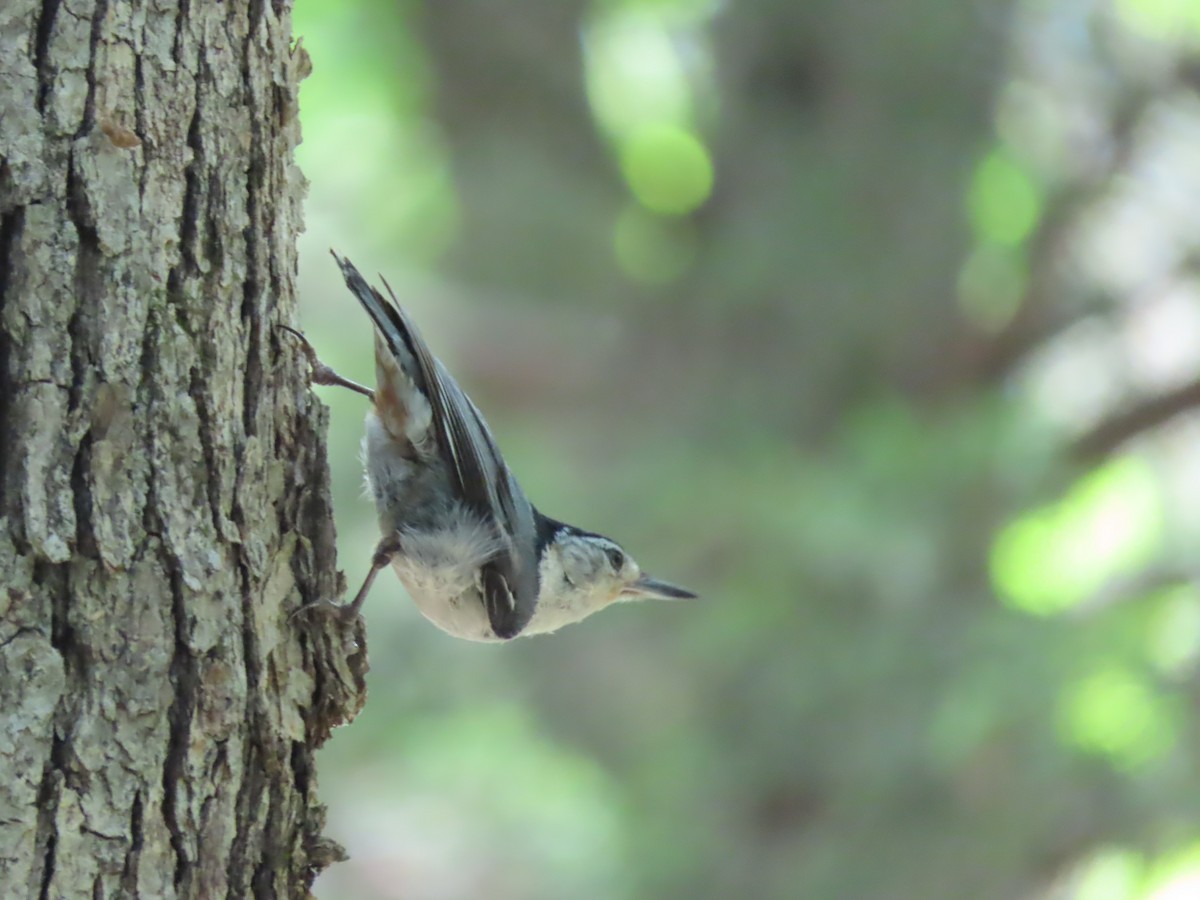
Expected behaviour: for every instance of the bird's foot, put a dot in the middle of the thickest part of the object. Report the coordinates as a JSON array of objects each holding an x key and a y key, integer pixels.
[
  {"x": 319, "y": 373},
  {"x": 347, "y": 613},
  {"x": 344, "y": 613}
]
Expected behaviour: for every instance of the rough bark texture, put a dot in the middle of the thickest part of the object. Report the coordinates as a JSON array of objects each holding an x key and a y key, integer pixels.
[{"x": 164, "y": 498}]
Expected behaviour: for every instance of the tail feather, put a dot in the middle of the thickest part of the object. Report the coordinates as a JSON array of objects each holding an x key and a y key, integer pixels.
[
  {"x": 396, "y": 331},
  {"x": 400, "y": 395}
]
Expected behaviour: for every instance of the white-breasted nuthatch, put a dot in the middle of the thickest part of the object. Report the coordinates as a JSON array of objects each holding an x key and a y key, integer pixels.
[{"x": 479, "y": 560}]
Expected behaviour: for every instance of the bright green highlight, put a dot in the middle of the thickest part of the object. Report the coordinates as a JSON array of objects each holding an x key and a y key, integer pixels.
[
  {"x": 667, "y": 168},
  {"x": 1115, "y": 713},
  {"x": 634, "y": 75},
  {"x": 1004, "y": 202},
  {"x": 1118, "y": 873},
  {"x": 1176, "y": 875},
  {"x": 1112, "y": 873},
  {"x": 1161, "y": 19},
  {"x": 1174, "y": 634},
  {"x": 1052, "y": 558},
  {"x": 650, "y": 249},
  {"x": 991, "y": 285}
]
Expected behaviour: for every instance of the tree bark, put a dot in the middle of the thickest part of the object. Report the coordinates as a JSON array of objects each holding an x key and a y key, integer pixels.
[{"x": 164, "y": 498}]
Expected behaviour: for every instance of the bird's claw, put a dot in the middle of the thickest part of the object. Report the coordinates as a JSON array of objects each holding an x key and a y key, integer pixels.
[
  {"x": 319, "y": 373},
  {"x": 344, "y": 613}
]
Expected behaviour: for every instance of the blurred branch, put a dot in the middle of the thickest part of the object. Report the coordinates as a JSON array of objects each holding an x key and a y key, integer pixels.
[
  {"x": 1041, "y": 314},
  {"x": 985, "y": 357},
  {"x": 1110, "y": 433}
]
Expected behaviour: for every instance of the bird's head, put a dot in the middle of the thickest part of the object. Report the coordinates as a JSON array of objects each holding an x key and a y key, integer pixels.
[{"x": 584, "y": 572}]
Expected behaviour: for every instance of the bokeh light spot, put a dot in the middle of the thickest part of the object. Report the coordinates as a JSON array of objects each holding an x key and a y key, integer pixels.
[
  {"x": 991, "y": 285},
  {"x": 667, "y": 168},
  {"x": 1174, "y": 634},
  {"x": 1116, "y": 714},
  {"x": 1175, "y": 875},
  {"x": 1004, "y": 202},
  {"x": 1054, "y": 557},
  {"x": 1111, "y": 873},
  {"x": 634, "y": 74},
  {"x": 1160, "y": 19}
]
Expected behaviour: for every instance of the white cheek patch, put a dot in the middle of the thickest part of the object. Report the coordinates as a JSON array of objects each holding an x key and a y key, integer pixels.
[
  {"x": 560, "y": 602},
  {"x": 550, "y": 578}
]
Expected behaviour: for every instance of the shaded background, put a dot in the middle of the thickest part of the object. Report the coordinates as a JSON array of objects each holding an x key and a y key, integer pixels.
[{"x": 878, "y": 325}]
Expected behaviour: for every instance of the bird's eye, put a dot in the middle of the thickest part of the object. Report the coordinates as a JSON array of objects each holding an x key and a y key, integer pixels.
[{"x": 616, "y": 559}]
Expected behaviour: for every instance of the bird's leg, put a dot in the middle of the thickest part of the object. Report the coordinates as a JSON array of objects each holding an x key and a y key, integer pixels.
[
  {"x": 387, "y": 548},
  {"x": 382, "y": 558},
  {"x": 320, "y": 373}
]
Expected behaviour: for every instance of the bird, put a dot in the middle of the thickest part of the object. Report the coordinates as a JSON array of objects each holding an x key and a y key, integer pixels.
[{"x": 479, "y": 560}]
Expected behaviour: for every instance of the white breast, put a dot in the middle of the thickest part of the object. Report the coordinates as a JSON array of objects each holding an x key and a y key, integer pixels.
[
  {"x": 441, "y": 597},
  {"x": 440, "y": 571}
]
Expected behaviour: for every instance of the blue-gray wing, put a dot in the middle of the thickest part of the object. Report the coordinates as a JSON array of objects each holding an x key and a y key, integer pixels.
[{"x": 466, "y": 445}]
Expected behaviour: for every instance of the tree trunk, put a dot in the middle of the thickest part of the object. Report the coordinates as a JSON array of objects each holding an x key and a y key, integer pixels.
[{"x": 164, "y": 501}]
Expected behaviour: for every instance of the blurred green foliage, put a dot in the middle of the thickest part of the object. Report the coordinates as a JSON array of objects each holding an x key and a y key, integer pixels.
[
  {"x": 1105, "y": 526},
  {"x": 874, "y": 324}
]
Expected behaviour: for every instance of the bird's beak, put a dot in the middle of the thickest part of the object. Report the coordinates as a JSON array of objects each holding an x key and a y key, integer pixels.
[{"x": 654, "y": 589}]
